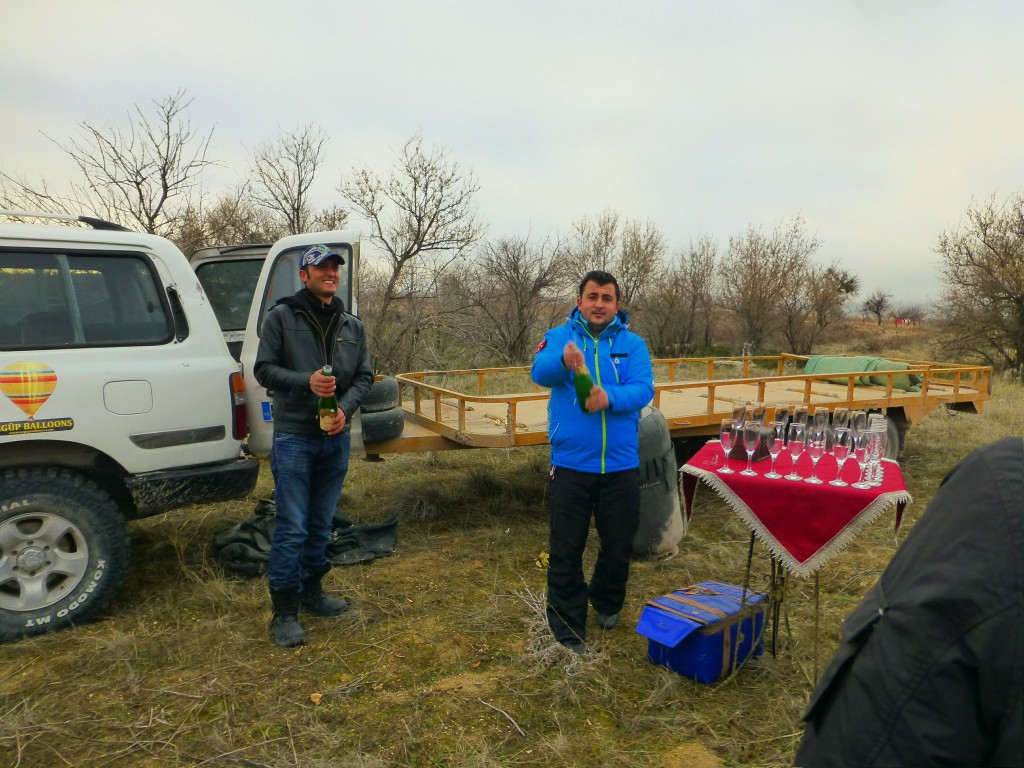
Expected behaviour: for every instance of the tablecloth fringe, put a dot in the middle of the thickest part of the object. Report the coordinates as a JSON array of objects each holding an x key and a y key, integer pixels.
[{"x": 829, "y": 550}]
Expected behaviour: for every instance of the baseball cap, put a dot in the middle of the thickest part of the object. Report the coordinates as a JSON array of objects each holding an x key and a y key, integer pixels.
[{"x": 316, "y": 255}]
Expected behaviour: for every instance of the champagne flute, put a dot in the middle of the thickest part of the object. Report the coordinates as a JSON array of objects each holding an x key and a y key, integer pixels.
[
  {"x": 841, "y": 418},
  {"x": 841, "y": 450},
  {"x": 776, "y": 442},
  {"x": 820, "y": 417},
  {"x": 739, "y": 413},
  {"x": 751, "y": 439},
  {"x": 860, "y": 451},
  {"x": 758, "y": 412},
  {"x": 816, "y": 448},
  {"x": 858, "y": 422},
  {"x": 782, "y": 412},
  {"x": 726, "y": 433},
  {"x": 796, "y": 447},
  {"x": 800, "y": 414}
]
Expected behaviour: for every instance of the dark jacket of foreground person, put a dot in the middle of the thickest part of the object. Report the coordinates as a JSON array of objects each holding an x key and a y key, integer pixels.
[{"x": 929, "y": 672}]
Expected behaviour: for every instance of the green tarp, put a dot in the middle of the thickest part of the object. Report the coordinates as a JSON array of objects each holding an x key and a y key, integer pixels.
[{"x": 822, "y": 364}]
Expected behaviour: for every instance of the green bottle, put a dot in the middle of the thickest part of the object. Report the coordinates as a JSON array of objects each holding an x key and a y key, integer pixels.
[
  {"x": 327, "y": 407},
  {"x": 583, "y": 382}
]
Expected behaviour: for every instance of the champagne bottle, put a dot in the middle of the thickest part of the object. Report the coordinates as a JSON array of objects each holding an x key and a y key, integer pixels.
[
  {"x": 327, "y": 407},
  {"x": 583, "y": 382}
]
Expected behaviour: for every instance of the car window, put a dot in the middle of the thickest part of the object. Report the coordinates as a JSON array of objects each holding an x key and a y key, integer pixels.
[
  {"x": 230, "y": 285},
  {"x": 284, "y": 278},
  {"x": 52, "y": 300}
]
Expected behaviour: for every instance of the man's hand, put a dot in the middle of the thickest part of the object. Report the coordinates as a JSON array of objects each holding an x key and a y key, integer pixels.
[
  {"x": 572, "y": 357},
  {"x": 338, "y": 423},
  {"x": 597, "y": 401},
  {"x": 322, "y": 386}
]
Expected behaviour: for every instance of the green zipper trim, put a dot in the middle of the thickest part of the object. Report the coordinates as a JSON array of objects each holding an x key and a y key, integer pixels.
[{"x": 604, "y": 423}]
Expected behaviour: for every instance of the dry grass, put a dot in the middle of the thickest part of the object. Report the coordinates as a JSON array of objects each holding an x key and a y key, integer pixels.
[{"x": 444, "y": 659}]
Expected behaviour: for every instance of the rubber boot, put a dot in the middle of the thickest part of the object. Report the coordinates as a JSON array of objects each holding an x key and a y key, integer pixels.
[
  {"x": 315, "y": 600},
  {"x": 285, "y": 625}
]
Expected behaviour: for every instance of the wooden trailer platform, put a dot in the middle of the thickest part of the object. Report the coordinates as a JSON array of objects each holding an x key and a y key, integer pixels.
[{"x": 501, "y": 407}]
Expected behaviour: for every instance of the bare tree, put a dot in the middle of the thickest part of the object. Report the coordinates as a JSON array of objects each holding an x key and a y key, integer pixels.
[
  {"x": 756, "y": 272},
  {"x": 912, "y": 313},
  {"x": 877, "y": 304},
  {"x": 141, "y": 175},
  {"x": 232, "y": 220},
  {"x": 422, "y": 219},
  {"x": 513, "y": 288},
  {"x": 283, "y": 172},
  {"x": 677, "y": 314},
  {"x": 631, "y": 250},
  {"x": 813, "y": 302},
  {"x": 982, "y": 307}
]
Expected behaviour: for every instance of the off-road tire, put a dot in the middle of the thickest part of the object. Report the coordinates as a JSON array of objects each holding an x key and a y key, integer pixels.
[
  {"x": 383, "y": 396},
  {"x": 64, "y": 549},
  {"x": 384, "y": 425}
]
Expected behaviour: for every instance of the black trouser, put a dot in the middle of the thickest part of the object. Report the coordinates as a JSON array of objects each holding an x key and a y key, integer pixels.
[{"x": 614, "y": 501}]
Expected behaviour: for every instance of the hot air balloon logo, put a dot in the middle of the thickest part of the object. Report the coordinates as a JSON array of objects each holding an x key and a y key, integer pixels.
[{"x": 28, "y": 385}]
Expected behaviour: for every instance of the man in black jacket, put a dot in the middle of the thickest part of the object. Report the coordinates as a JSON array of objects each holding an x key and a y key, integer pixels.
[
  {"x": 930, "y": 669},
  {"x": 300, "y": 335}
]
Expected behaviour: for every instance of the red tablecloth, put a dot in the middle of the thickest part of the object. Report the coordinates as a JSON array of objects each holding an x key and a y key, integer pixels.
[{"x": 802, "y": 524}]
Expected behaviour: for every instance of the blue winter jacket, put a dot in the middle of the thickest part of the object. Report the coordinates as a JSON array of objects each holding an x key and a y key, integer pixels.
[{"x": 606, "y": 441}]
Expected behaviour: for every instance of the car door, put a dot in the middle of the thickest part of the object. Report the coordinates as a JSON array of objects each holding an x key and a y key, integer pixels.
[{"x": 279, "y": 278}]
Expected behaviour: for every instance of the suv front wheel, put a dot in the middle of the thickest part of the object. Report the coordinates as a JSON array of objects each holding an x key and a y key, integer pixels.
[{"x": 64, "y": 549}]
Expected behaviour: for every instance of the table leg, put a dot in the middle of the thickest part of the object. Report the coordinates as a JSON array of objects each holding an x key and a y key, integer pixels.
[
  {"x": 778, "y": 599},
  {"x": 817, "y": 611}
]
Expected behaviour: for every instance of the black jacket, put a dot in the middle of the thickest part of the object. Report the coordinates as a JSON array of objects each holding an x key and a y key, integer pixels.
[
  {"x": 296, "y": 339},
  {"x": 929, "y": 672}
]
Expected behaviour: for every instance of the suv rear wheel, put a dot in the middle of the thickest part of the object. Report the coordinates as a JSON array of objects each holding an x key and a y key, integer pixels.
[{"x": 64, "y": 549}]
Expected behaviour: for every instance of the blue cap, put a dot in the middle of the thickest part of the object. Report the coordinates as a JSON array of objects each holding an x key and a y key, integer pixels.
[{"x": 316, "y": 255}]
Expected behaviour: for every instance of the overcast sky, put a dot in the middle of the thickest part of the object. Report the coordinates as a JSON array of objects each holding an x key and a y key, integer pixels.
[{"x": 877, "y": 122}]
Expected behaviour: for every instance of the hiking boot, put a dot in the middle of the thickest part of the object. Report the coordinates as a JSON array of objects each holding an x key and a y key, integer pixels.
[
  {"x": 285, "y": 625},
  {"x": 576, "y": 646},
  {"x": 607, "y": 620},
  {"x": 313, "y": 598}
]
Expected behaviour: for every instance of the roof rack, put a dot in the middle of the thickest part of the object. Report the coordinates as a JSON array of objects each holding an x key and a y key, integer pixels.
[{"x": 92, "y": 221}]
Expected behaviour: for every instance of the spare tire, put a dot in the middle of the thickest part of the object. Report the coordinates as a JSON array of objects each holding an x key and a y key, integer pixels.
[
  {"x": 382, "y": 425},
  {"x": 661, "y": 521},
  {"x": 383, "y": 395}
]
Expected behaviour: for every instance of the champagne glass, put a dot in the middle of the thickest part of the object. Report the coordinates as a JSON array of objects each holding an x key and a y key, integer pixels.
[
  {"x": 776, "y": 442},
  {"x": 800, "y": 414},
  {"x": 739, "y": 413},
  {"x": 860, "y": 451},
  {"x": 858, "y": 422},
  {"x": 751, "y": 439},
  {"x": 726, "y": 433},
  {"x": 841, "y": 450},
  {"x": 796, "y": 447},
  {"x": 841, "y": 418},
  {"x": 816, "y": 448},
  {"x": 820, "y": 417},
  {"x": 781, "y": 412},
  {"x": 758, "y": 412}
]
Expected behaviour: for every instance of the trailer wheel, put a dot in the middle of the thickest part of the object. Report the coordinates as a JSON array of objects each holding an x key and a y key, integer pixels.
[
  {"x": 383, "y": 395},
  {"x": 63, "y": 551},
  {"x": 382, "y": 425}
]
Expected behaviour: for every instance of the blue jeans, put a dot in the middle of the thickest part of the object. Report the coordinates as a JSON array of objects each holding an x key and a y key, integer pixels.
[{"x": 309, "y": 471}]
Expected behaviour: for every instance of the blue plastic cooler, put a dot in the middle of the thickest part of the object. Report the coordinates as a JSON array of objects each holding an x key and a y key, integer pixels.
[{"x": 704, "y": 631}]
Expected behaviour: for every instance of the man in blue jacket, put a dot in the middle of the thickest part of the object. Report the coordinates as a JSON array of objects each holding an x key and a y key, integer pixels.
[{"x": 595, "y": 455}]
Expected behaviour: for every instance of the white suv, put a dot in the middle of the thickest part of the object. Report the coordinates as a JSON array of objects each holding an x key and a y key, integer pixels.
[{"x": 120, "y": 400}]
